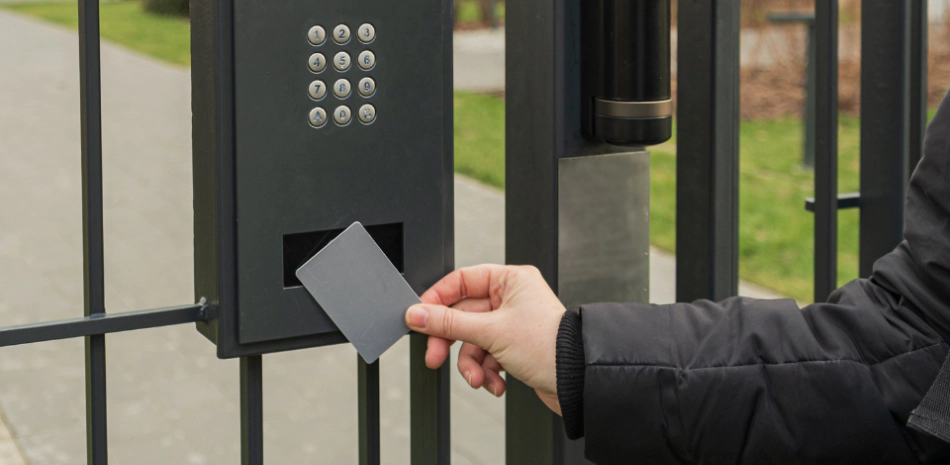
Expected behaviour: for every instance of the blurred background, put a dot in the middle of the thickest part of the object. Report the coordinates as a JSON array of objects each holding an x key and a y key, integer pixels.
[{"x": 174, "y": 402}]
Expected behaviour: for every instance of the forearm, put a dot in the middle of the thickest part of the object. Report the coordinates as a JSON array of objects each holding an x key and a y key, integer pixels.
[{"x": 753, "y": 381}]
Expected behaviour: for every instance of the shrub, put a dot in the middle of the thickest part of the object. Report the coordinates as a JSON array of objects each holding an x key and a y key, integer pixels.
[{"x": 167, "y": 7}]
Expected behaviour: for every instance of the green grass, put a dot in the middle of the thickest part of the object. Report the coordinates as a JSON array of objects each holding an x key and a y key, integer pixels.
[
  {"x": 775, "y": 235},
  {"x": 163, "y": 37},
  {"x": 480, "y": 137}
]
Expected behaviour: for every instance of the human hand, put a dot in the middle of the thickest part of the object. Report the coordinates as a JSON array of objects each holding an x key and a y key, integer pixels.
[{"x": 506, "y": 316}]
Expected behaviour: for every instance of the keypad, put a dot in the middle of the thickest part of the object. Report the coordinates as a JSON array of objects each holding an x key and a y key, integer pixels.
[{"x": 334, "y": 49}]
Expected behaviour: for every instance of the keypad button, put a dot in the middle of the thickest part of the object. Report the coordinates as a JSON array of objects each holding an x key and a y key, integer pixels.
[
  {"x": 341, "y": 88},
  {"x": 317, "y": 35},
  {"x": 367, "y": 87},
  {"x": 342, "y": 61},
  {"x": 367, "y": 60},
  {"x": 318, "y": 90},
  {"x": 367, "y": 113},
  {"x": 317, "y": 63},
  {"x": 342, "y": 115},
  {"x": 318, "y": 117},
  {"x": 341, "y": 34},
  {"x": 366, "y": 33}
]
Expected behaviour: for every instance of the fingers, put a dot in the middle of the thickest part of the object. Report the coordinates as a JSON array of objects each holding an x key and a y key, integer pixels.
[
  {"x": 494, "y": 383},
  {"x": 437, "y": 348},
  {"x": 480, "y": 369},
  {"x": 451, "y": 324},
  {"x": 470, "y": 365},
  {"x": 472, "y": 282}
]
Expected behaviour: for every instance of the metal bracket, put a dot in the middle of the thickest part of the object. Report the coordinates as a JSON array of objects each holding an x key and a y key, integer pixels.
[{"x": 845, "y": 201}]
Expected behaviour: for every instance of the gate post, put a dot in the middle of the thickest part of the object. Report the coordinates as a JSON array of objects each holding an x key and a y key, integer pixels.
[{"x": 576, "y": 209}]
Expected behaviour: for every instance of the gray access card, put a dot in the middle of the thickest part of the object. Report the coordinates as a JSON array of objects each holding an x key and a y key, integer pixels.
[{"x": 360, "y": 290}]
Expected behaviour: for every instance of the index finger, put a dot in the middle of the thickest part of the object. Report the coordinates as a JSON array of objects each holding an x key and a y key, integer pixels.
[{"x": 473, "y": 282}]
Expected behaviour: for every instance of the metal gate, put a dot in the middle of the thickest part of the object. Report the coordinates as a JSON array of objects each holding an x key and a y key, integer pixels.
[{"x": 893, "y": 116}]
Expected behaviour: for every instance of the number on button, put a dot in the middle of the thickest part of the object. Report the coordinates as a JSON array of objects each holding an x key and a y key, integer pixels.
[
  {"x": 341, "y": 61},
  {"x": 367, "y": 60},
  {"x": 366, "y": 33},
  {"x": 367, "y": 87},
  {"x": 317, "y": 62}
]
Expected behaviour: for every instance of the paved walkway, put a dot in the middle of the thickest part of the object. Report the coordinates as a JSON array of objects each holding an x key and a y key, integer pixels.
[{"x": 170, "y": 400}]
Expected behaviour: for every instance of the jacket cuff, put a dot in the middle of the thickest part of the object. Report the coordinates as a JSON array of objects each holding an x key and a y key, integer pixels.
[{"x": 570, "y": 373}]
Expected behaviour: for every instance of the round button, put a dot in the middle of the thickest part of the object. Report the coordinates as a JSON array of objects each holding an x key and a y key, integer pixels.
[
  {"x": 318, "y": 90},
  {"x": 341, "y": 34},
  {"x": 367, "y": 60},
  {"x": 342, "y": 115},
  {"x": 367, "y": 87},
  {"x": 318, "y": 117},
  {"x": 317, "y": 63},
  {"x": 341, "y": 89},
  {"x": 341, "y": 61},
  {"x": 367, "y": 113},
  {"x": 366, "y": 33},
  {"x": 317, "y": 35}
]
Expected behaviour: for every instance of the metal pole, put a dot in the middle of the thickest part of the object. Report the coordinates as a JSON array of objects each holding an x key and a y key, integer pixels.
[
  {"x": 826, "y": 148},
  {"x": 810, "y": 96},
  {"x": 252, "y": 411},
  {"x": 885, "y": 126},
  {"x": 368, "y": 375},
  {"x": 919, "y": 27},
  {"x": 707, "y": 164},
  {"x": 93, "y": 257},
  {"x": 429, "y": 408}
]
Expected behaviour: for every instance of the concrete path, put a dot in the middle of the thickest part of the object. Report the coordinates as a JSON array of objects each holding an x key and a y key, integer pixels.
[{"x": 170, "y": 400}]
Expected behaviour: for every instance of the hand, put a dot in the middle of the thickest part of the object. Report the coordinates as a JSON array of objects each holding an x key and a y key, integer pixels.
[{"x": 508, "y": 319}]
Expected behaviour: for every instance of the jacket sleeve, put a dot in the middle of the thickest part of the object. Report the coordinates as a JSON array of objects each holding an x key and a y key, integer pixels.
[{"x": 751, "y": 381}]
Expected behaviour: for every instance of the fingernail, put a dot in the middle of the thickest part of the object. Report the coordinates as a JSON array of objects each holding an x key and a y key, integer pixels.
[
  {"x": 491, "y": 389},
  {"x": 418, "y": 317},
  {"x": 468, "y": 377}
]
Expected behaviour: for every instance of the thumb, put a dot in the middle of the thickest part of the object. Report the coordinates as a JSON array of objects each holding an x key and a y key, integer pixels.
[{"x": 449, "y": 323}]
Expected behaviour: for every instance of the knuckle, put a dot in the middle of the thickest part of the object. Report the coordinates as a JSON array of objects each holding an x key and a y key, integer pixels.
[{"x": 448, "y": 323}]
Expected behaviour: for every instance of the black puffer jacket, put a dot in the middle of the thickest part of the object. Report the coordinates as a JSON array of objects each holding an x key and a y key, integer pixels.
[{"x": 762, "y": 382}]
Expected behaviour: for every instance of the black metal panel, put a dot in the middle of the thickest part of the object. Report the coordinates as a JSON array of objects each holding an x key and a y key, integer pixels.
[
  {"x": 430, "y": 409},
  {"x": 93, "y": 262},
  {"x": 252, "y": 410},
  {"x": 368, "y": 379},
  {"x": 707, "y": 161},
  {"x": 99, "y": 324},
  {"x": 885, "y": 126},
  {"x": 826, "y": 149},
  {"x": 919, "y": 30},
  {"x": 297, "y": 179}
]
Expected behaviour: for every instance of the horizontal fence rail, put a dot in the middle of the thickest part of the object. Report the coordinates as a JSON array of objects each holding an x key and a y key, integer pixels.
[{"x": 100, "y": 324}]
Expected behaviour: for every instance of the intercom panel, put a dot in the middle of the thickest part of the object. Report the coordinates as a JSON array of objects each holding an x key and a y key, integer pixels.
[{"x": 311, "y": 115}]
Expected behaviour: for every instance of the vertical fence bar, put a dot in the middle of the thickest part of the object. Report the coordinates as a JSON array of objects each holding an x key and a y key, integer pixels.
[
  {"x": 93, "y": 256},
  {"x": 885, "y": 126},
  {"x": 252, "y": 411},
  {"x": 919, "y": 30},
  {"x": 707, "y": 162},
  {"x": 429, "y": 408},
  {"x": 369, "y": 411},
  {"x": 826, "y": 149}
]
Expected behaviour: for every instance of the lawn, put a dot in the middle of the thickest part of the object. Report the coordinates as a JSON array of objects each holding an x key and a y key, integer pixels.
[{"x": 775, "y": 234}]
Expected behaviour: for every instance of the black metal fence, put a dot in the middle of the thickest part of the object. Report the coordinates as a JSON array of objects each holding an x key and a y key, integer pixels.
[{"x": 893, "y": 117}]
